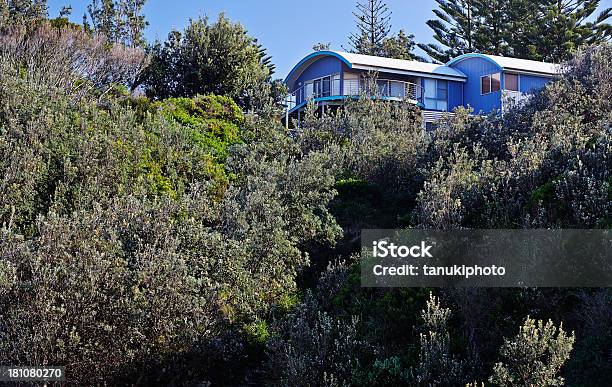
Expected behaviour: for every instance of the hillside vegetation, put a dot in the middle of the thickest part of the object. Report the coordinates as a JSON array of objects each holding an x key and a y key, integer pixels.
[{"x": 181, "y": 240}]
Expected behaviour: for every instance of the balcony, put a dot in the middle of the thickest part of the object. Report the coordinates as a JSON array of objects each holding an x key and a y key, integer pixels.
[
  {"x": 511, "y": 99},
  {"x": 334, "y": 89}
]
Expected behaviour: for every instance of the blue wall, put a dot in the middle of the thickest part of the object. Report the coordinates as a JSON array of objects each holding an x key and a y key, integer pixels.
[
  {"x": 531, "y": 83},
  {"x": 326, "y": 65},
  {"x": 474, "y": 68},
  {"x": 455, "y": 95}
]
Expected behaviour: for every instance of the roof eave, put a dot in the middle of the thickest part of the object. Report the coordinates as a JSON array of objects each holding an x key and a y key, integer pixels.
[
  {"x": 532, "y": 72},
  {"x": 311, "y": 57},
  {"x": 458, "y": 78}
]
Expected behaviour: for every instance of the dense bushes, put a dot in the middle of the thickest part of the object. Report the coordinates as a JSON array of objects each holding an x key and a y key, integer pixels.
[
  {"x": 219, "y": 58},
  {"x": 69, "y": 58},
  {"x": 142, "y": 240},
  {"x": 162, "y": 242},
  {"x": 544, "y": 164}
]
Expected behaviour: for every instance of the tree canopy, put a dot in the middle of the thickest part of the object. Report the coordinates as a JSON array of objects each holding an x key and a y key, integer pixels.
[
  {"x": 188, "y": 240},
  {"x": 546, "y": 30},
  {"x": 373, "y": 22},
  {"x": 219, "y": 58},
  {"x": 121, "y": 21}
]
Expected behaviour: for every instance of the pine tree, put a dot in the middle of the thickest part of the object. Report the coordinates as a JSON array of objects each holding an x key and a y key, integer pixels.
[
  {"x": 373, "y": 25},
  {"x": 564, "y": 27},
  {"x": 400, "y": 46},
  {"x": 265, "y": 58},
  {"x": 372, "y": 37},
  {"x": 454, "y": 30},
  {"x": 548, "y": 30},
  {"x": 492, "y": 26},
  {"x": 522, "y": 32}
]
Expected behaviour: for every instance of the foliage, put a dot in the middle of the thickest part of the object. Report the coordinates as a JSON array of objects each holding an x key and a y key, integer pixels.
[
  {"x": 21, "y": 11},
  {"x": 519, "y": 171},
  {"x": 545, "y": 163},
  {"x": 535, "y": 356},
  {"x": 436, "y": 364},
  {"x": 310, "y": 347},
  {"x": 373, "y": 26},
  {"x": 174, "y": 241},
  {"x": 214, "y": 121},
  {"x": 374, "y": 141},
  {"x": 540, "y": 30},
  {"x": 321, "y": 46},
  {"x": 400, "y": 46},
  {"x": 68, "y": 58},
  {"x": 373, "y": 19},
  {"x": 121, "y": 22},
  {"x": 218, "y": 58},
  {"x": 119, "y": 249}
]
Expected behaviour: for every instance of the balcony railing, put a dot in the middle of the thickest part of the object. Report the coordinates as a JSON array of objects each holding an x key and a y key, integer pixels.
[
  {"x": 384, "y": 88},
  {"x": 512, "y": 99}
]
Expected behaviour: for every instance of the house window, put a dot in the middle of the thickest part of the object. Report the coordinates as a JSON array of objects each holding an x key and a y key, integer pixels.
[
  {"x": 485, "y": 84},
  {"x": 495, "y": 82},
  {"x": 326, "y": 84},
  {"x": 383, "y": 87},
  {"x": 317, "y": 88},
  {"x": 309, "y": 90},
  {"x": 490, "y": 83},
  {"x": 335, "y": 85},
  {"x": 511, "y": 82},
  {"x": 436, "y": 94},
  {"x": 323, "y": 87}
]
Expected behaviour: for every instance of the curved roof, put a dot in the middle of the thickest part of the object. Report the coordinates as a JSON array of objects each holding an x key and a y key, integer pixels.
[
  {"x": 516, "y": 64},
  {"x": 377, "y": 63}
]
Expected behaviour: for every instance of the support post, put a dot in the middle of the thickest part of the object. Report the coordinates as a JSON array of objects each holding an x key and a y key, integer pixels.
[{"x": 287, "y": 117}]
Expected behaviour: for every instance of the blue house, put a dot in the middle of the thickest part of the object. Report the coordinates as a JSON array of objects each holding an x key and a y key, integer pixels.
[{"x": 487, "y": 83}]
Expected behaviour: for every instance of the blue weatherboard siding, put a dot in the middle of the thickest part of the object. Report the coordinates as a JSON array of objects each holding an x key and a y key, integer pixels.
[
  {"x": 475, "y": 67},
  {"x": 323, "y": 66},
  {"x": 531, "y": 83},
  {"x": 326, "y": 65},
  {"x": 455, "y": 95},
  {"x": 309, "y": 60},
  {"x": 468, "y": 93}
]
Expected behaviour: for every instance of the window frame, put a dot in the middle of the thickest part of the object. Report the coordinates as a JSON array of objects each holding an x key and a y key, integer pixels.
[
  {"x": 483, "y": 83},
  {"x": 435, "y": 102},
  {"x": 518, "y": 82},
  {"x": 490, "y": 82},
  {"x": 493, "y": 76},
  {"x": 318, "y": 88}
]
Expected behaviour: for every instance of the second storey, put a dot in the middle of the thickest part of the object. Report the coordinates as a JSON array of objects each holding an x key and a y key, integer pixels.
[{"x": 484, "y": 82}]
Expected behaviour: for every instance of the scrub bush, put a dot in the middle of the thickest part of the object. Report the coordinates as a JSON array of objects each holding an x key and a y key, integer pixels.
[
  {"x": 134, "y": 251},
  {"x": 534, "y": 356},
  {"x": 545, "y": 164}
]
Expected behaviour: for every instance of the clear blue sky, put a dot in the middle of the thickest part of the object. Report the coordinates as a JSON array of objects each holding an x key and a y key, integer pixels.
[{"x": 288, "y": 29}]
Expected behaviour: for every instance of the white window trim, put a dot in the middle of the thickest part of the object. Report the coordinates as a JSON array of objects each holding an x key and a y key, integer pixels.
[
  {"x": 435, "y": 98},
  {"x": 490, "y": 83},
  {"x": 331, "y": 81}
]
